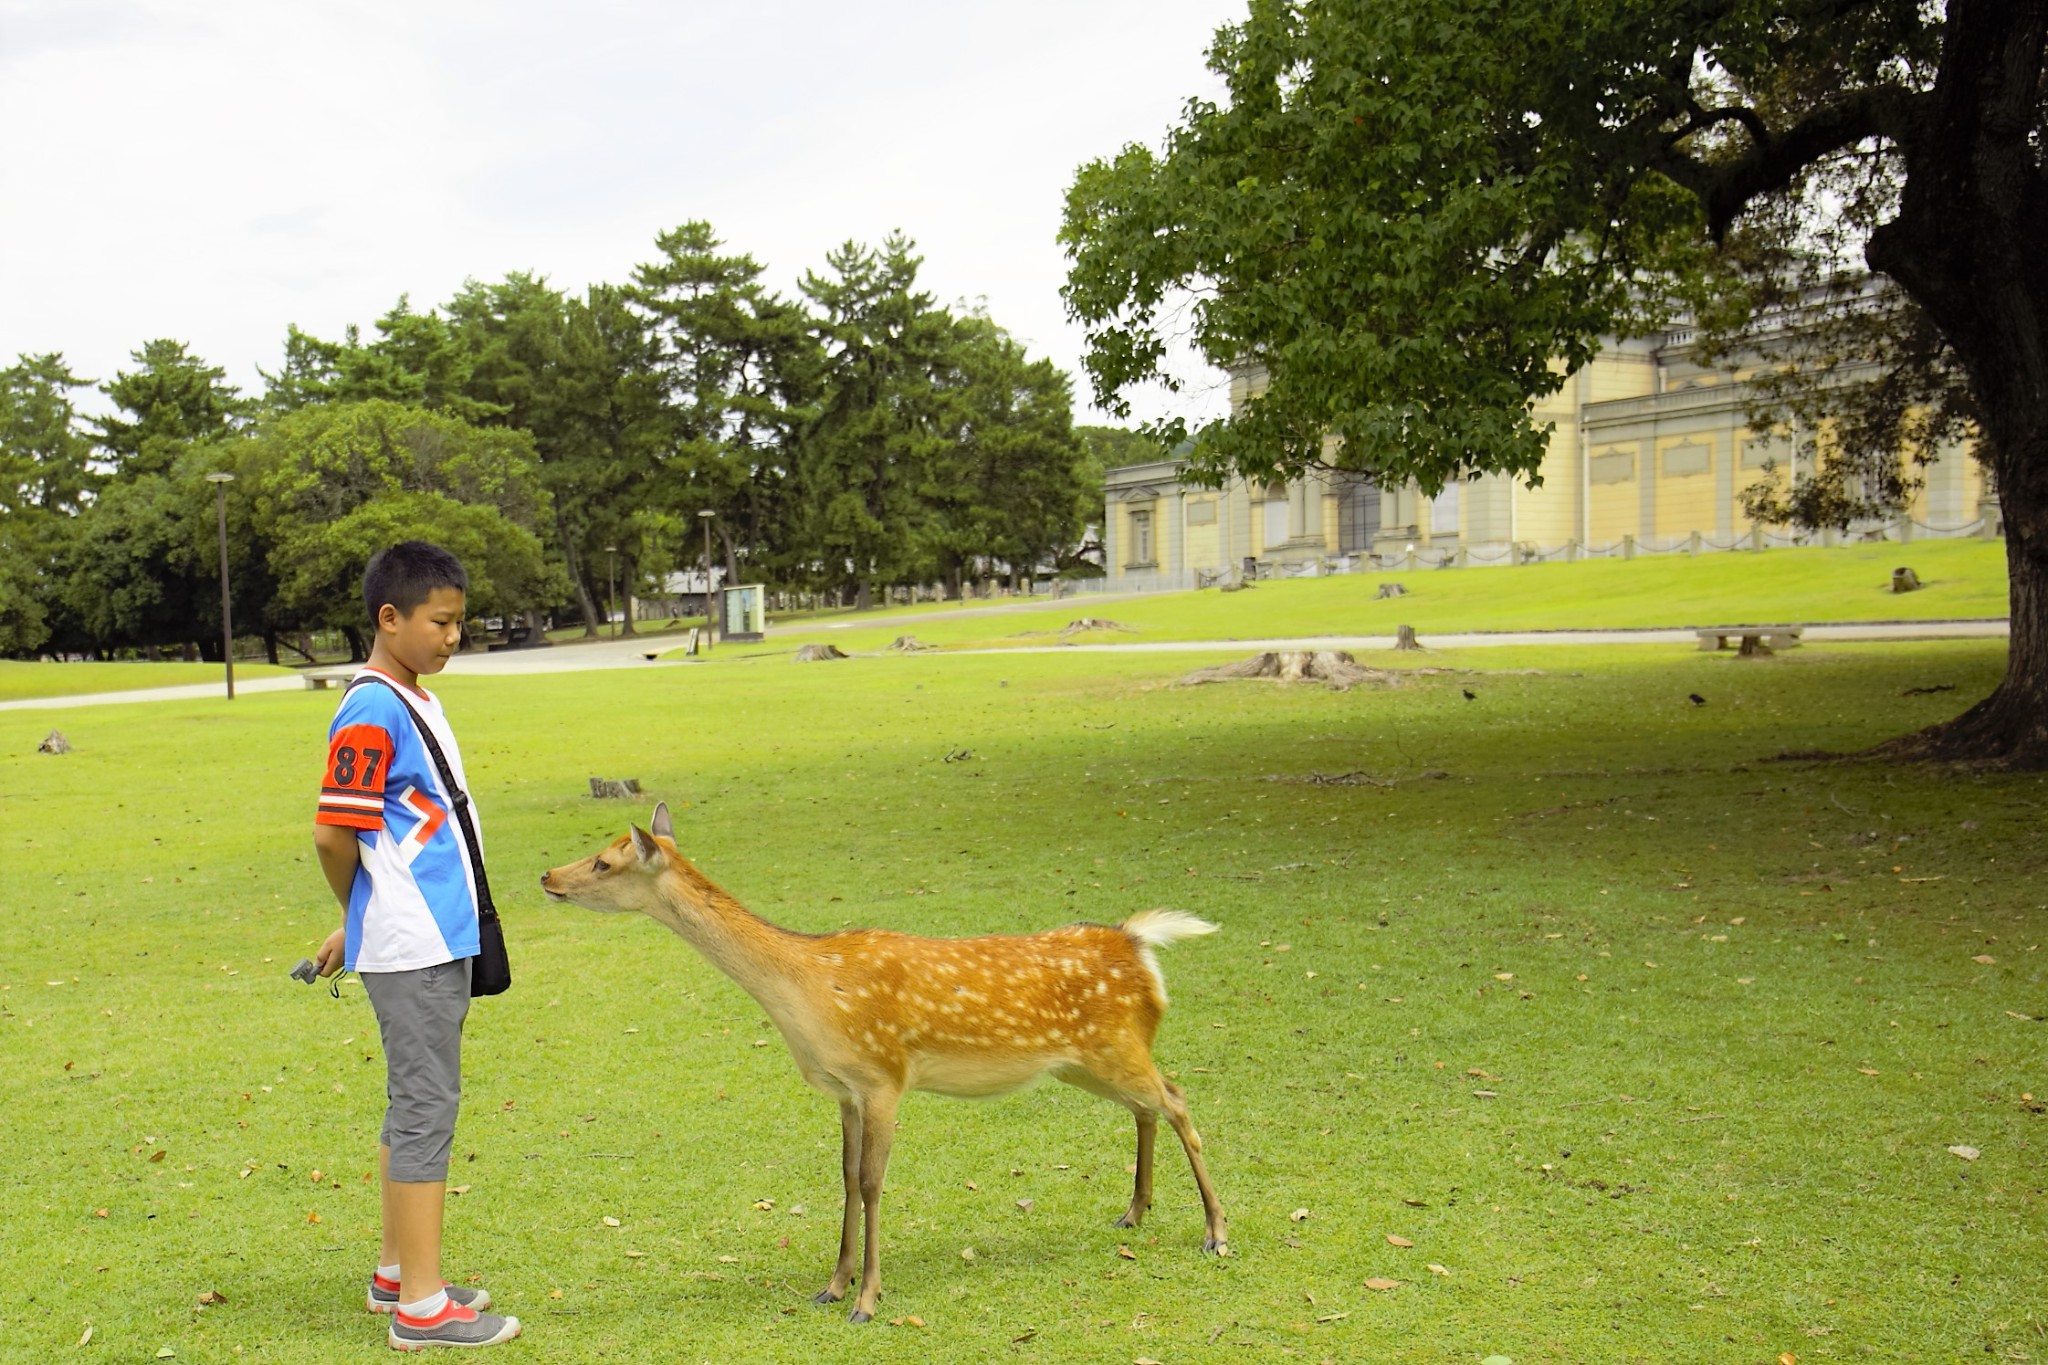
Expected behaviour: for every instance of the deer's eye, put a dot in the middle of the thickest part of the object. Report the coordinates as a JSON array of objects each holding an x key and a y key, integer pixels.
[{"x": 600, "y": 865}]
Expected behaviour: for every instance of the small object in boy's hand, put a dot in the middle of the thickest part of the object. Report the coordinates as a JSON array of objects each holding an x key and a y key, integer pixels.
[{"x": 306, "y": 971}]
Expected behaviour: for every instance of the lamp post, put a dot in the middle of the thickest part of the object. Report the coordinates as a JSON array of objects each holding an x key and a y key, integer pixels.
[
  {"x": 220, "y": 481},
  {"x": 710, "y": 619},
  {"x": 611, "y": 588}
]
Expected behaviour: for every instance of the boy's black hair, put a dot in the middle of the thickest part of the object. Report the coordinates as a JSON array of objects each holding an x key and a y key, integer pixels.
[{"x": 406, "y": 573}]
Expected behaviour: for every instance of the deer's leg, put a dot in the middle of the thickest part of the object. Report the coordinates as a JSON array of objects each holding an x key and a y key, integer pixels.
[
  {"x": 849, "y": 1219},
  {"x": 878, "y": 1130},
  {"x": 1141, "y": 1193},
  {"x": 1137, "y": 1091},
  {"x": 1175, "y": 1102}
]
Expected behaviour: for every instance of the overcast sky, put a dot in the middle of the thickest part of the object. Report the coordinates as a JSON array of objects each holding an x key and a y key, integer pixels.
[{"x": 211, "y": 170}]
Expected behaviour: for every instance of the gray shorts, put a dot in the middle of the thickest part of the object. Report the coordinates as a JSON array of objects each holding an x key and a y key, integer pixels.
[{"x": 420, "y": 1015}]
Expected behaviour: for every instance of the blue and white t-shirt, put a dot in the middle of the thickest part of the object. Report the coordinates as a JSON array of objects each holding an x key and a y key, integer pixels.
[{"x": 414, "y": 899}]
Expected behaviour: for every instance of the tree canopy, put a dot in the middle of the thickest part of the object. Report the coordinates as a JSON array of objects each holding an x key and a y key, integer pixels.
[{"x": 1417, "y": 219}]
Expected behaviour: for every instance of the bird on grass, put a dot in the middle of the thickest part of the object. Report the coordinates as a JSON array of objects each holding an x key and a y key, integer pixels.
[
  {"x": 1696, "y": 699},
  {"x": 1470, "y": 695}
]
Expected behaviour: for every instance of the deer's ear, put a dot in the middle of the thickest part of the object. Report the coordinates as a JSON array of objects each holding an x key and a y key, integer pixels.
[
  {"x": 644, "y": 845},
  {"x": 661, "y": 824}
]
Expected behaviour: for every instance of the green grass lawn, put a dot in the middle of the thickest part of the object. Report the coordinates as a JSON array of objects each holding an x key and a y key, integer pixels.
[
  {"x": 22, "y": 680},
  {"x": 1655, "y": 1044},
  {"x": 1964, "y": 578}
]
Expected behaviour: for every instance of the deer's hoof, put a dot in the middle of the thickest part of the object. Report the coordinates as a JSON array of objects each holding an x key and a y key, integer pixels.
[
  {"x": 826, "y": 1296},
  {"x": 1125, "y": 1221},
  {"x": 860, "y": 1315},
  {"x": 1216, "y": 1246}
]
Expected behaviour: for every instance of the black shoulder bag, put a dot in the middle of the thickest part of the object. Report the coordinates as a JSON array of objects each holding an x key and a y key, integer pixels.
[{"x": 491, "y": 973}]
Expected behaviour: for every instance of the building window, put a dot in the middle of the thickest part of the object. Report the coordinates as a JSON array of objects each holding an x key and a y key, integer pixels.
[
  {"x": 1358, "y": 513},
  {"x": 1443, "y": 511},
  {"x": 1141, "y": 540}
]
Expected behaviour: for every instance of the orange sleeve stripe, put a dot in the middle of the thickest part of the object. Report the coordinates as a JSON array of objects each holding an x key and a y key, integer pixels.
[{"x": 351, "y": 819}]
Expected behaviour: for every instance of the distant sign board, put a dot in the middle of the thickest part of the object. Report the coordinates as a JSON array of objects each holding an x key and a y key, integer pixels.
[{"x": 743, "y": 613}]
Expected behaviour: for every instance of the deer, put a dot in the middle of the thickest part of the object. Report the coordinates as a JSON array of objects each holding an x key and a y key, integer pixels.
[{"x": 868, "y": 1014}]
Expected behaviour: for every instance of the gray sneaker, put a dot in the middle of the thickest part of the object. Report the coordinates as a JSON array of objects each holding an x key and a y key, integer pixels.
[
  {"x": 454, "y": 1325},
  {"x": 383, "y": 1296}
]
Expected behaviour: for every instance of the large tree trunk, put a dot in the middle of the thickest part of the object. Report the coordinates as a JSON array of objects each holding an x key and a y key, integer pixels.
[
  {"x": 1967, "y": 245},
  {"x": 584, "y": 599}
]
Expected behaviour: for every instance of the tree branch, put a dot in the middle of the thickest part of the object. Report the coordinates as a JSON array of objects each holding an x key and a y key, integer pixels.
[{"x": 1773, "y": 161}]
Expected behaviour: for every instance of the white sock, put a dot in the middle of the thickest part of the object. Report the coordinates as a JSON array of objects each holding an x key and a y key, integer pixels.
[
  {"x": 426, "y": 1308},
  {"x": 389, "y": 1272}
]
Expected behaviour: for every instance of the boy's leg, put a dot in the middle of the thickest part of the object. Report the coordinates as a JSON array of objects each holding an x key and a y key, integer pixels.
[
  {"x": 413, "y": 1211},
  {"x": 420, "y": 1015}
]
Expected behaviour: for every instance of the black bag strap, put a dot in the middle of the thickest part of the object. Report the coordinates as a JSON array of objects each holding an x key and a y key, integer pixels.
[{"x": 485, "y": 910}]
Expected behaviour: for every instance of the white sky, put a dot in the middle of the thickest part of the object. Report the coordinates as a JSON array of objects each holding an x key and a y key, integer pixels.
[{"x": 211, "y": 170}]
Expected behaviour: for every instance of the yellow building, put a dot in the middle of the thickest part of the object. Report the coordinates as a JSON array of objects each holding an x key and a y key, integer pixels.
[{"x": 1650, "y": 453}]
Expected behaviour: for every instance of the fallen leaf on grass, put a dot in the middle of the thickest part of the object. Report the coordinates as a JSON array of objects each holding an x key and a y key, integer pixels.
[
  {"x": 458, "y": 1189},
  {"x": 1380, "y": 1285},
  {"x": 1967, "y": 1153},
  {"x": 911, "y": 1321},
  {"x": 764, "y": 1203},
  {"x": 1299, "y": 1215},
  {"x": 610, "y": 1221},
  {"x": 1985, "y": 960},
  {"x": 1481, "y": 1073},
  {"x": 1024, "y": 1204},
  {"x": 157, "y": 1155},
  {"x": 1416, "y": 1203},
  {"x": 729, "y": 1260},
  {"x": 1787, "y": 1358},
  {"x": 635, "y": 1255},
  {"x": 1333, "y": 1317},
  {"x": 1127, "y": 1253},
  {"x": 554, "y": 1293},
  {"x": 1028, "y": 1334},
  {"x": 1866, "y": 1070},
  {"x": 1144, "y": 1360},
  {"x": 99, "y": 1213},
  {"x": 165, "y": 1353},
  {"x": 86, "y": 1335},
  {"x": 312, "y": 1217},
  {"x": 1392, "y": 1240},
  {"x": 1435, "y": 1269},
  {"x": 208, "y": 1297},
  {"x": 967, "y": 1254}
]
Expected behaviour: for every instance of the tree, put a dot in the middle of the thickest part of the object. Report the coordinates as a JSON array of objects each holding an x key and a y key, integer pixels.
[
  {"x": 173, "y": 400},
  {"x": 45, "y": 459},
  {"x": 1418, "y": 218},
  {"x": 330, "y": 485},
  {"x": 737, "y": 365},
  {"x": 862, "y": 459},
  {"x": 1012, "y": 483},
  {"x": 577, "y": 375}
]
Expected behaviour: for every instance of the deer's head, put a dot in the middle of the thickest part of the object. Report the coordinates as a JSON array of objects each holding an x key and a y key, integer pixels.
[{"x": 620, "y": 876}]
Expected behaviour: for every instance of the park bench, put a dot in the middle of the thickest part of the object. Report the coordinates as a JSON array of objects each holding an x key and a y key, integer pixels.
[
  {"x": 1750, "y": 639},
  {"x": 318, "y": 679}
]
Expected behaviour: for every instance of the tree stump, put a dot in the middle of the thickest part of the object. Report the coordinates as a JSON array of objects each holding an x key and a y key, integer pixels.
[
  {"x": 54, "y": 743},
  {"x": 908, "y": 644},
  {"x": 1905, "y": 580},
  {"x": 1391, "y": 590},
  {"x": 1331, "y": 667},
  {"x": 813, "y": 653},
  {"x": 614, "y": 788},
  {"x": 1404, "y": 638}
]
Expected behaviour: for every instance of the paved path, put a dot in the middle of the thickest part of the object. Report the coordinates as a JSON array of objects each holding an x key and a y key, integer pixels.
[{"x": 606, "y": 654}]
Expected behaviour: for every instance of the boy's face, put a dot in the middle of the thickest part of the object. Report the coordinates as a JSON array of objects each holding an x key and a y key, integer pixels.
[{"x": 424, "y": 639}]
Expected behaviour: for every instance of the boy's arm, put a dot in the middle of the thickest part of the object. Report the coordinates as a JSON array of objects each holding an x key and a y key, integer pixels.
[{"x": 339, "y": 855}]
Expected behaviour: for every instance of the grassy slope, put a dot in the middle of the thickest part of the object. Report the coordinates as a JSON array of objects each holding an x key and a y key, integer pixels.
[
  {"x": 23, "y": 680},
  {"x": 1676, "y": 963},
  {"x": 1964, "y": 579}
]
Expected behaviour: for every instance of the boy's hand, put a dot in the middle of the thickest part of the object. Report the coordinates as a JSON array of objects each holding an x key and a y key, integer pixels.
[{"x": 332, "y": 953}]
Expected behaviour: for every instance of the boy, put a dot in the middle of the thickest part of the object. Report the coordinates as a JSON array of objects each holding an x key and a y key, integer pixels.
[{"x": 396, "y": 859}]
